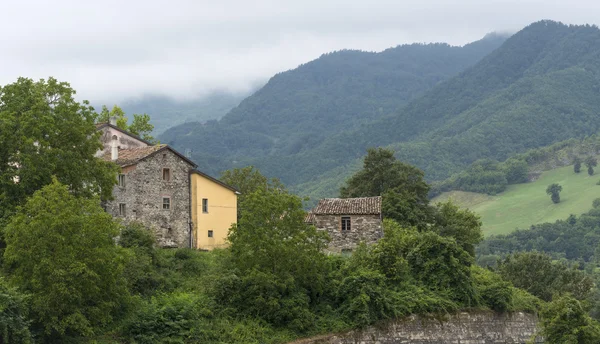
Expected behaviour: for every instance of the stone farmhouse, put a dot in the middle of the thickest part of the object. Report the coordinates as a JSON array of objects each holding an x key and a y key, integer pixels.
[
  {"x": 163, "y": 190},
  {"x": 348, "y": 221}
]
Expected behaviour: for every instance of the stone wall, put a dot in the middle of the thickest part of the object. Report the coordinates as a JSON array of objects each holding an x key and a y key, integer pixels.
[
  {"x": 143, "y": 197},
  {"x": 462, "y": 328},
  {"x": 365, "y": 228}
]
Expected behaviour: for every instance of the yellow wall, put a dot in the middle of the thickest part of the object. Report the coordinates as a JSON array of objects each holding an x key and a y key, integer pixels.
[{"x": 222, "y": 212}]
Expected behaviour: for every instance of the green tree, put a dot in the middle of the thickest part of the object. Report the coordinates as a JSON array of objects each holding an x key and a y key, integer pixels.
[
  {"x": 44, "y": 133},
  {"x": 577, "y": 164},
  {"x": 554, "y": 191},
  {"x": 539, "y": 275},
  {"x": 402, "y": 186},
  {"x": 271, "y": 236},
  {"x": 516, "y": 171},
  {"x": 140, "y": 124},
  {"x": 248, "y": 180},
  {"x": 591, "y": 162},
  {"x": 278, "y": 260},
  {"x": 60, "y": 249},
  {"x": 566, "y": 321},
  {"x": 461, "y": 224}
]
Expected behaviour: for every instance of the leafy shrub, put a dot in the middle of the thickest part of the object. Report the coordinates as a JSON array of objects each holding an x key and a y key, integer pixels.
[
  {"x": 493, "y": 291},
  {"x": 137, "y": 235},
  {"x": 366, "y": 297},
  {"x": 266, "y": 296},
  {"x": 168, "y": 318}
]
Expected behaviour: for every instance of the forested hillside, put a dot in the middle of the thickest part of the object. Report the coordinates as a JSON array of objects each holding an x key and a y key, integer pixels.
[
  {"x": 299, "y": 109},
  {"x": 539, "y": 87},
  {"x": 310, "y": 126}
]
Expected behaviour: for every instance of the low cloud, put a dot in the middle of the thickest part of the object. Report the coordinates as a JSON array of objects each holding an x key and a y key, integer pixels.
[{"x": 113, "y": 50}]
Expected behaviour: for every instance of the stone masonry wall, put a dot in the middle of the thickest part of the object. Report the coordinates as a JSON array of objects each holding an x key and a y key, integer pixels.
[
  {"x": 367, "y": 228},
  {"x": 143, "y": 195},
  {"x": 462, "y": 328}
]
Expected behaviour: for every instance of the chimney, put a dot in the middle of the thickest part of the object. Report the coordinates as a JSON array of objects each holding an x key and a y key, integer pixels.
[
  {"x": 114, "y": 149},
  {"x": 112, "y": 120}
]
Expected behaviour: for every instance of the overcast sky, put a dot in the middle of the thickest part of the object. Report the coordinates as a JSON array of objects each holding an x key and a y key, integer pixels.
[{"x": 111, "y": 50}]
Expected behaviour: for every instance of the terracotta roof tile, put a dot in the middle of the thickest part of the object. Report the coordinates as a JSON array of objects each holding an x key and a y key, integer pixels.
[
  {"x": 132, "y": 156},
  {"x": 349, "y": 206},
  {"x": 309, "y": 218}
]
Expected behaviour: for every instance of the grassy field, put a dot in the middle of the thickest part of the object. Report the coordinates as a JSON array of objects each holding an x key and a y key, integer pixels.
[{"x": 522, "y": 205}]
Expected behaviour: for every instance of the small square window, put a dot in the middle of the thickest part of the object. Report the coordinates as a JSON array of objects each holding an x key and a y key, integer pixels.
[
  {"x": 166, "y": 203},
  {"x": 122, "y": 180},
  {"x": 210, "y": 234},
  {"x": 205, "y": 205},
  {"x": 345, "y": 224},
  {"x": 167, "y": 174},
  {"x": 122, "y": 209}
]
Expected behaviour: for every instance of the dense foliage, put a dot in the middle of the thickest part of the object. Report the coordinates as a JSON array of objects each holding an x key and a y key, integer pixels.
[
  {"x": 60, "y": 249},
  {"x": 565, "y": 320},
  {"x": 40, "y": 123}
]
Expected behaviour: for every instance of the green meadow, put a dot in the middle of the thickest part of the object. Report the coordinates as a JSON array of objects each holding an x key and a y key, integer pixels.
[{"x": 523, "y": 205}]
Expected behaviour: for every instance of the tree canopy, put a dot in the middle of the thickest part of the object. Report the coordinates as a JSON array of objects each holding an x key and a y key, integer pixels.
[
  {"x": 140, "y": 124},
  {"x": 402, "y": 186},
  {"x": 44, "y": 133},
  {"x": 60, "y": 249}
]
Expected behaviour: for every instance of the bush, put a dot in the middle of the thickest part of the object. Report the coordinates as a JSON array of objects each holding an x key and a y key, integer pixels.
[
  {"x": 266, "y": 296},
  {"x": 365, "y": 298},
  {"x": 168, "y": 318},
  {"x": 493, "y": 291},
  {"x": 137, "y": 235}
]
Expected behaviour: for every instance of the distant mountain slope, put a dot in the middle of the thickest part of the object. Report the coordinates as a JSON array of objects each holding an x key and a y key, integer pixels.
[
  {"x": 296, "y": 111},
  {"x": 166, "y": 112},
  {"x": 541, "y": 86}
]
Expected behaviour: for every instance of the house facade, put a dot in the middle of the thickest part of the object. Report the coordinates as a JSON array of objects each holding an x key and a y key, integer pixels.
[
  {"x": 214, "y": 210},
  {"x": 157, "y": 186},
  {"x": 348, "y": 221}
]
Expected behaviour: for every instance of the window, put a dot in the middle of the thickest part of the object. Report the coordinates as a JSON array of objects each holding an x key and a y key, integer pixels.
[
  {"x": 122, "y": 209},
  {"x": 210, "y": 234},
  {"x": 205, "y": 205},
  {"x": 122, "y": 180},
  {"x": 345, "y": 223},
  {"x": 167, "y": 174},
  {"x": 166, "y": 203}
]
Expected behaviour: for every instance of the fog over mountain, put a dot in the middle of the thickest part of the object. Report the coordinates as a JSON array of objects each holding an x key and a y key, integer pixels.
[{"x": 112, "y": 50}]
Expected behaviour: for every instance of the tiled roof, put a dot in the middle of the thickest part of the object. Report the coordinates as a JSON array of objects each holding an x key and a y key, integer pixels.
[
  {"x": 349, "y": 206},
  {"x": 131, "y": 156},
  {"x": 309, "y": 218}
]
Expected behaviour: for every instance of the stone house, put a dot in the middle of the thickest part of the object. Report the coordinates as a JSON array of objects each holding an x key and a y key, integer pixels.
[
  {"x": 156, "y": 187},
  {"x": 348, "y": 221}
]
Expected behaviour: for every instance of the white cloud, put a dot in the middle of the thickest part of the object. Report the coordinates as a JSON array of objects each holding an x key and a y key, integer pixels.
[{"x": 111, "y": 50}]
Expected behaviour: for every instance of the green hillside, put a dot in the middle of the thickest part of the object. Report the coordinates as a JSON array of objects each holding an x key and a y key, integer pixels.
[
  {"x": 296, "y": 111},
  {"x": 522, "y": 205},
  {"x": 311, "y": 126},
  {"x": 538, "y": 88}
]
